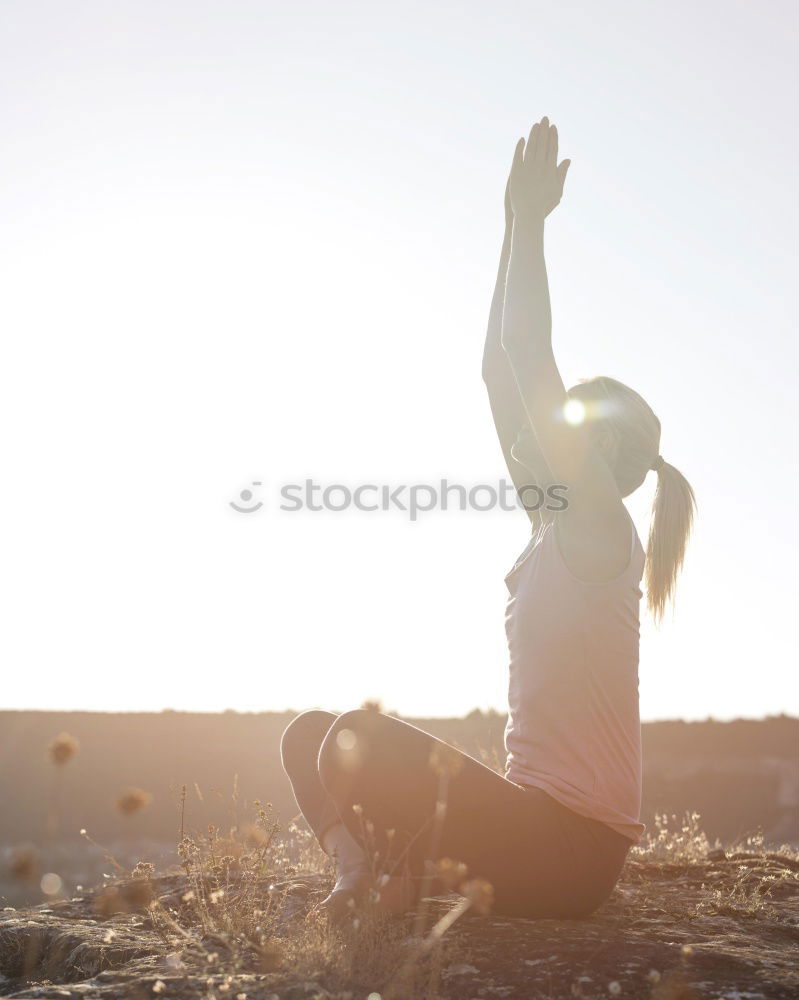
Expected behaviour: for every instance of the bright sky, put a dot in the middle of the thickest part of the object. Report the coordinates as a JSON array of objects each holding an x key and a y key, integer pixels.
[{"x": 256, "y": 241}]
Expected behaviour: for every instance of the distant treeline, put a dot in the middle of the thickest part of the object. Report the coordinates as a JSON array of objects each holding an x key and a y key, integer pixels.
[{"x": 740, "y": 776}]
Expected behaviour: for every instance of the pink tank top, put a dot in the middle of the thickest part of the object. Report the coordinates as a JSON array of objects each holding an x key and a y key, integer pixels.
[{"x": 574, "y": 727}]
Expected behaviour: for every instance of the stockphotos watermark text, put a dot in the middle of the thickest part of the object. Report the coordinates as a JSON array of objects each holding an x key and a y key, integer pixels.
[{"x": 411, "y": 499}]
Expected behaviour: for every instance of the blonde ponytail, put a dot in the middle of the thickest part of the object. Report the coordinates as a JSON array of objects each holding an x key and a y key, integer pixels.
[
  {"x": 672, "y": 518},
  {"x": 636, "y": 429}
]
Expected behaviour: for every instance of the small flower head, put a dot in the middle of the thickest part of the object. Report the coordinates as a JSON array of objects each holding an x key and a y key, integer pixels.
[
  {"x": 133, "y": 800},
  {"x": 24, "y": 865},
  {"x": 255, "y": 836},
  {"x": 480, "y": 894},
  {"x": 62, "y": 749},
  {"x": 450, "y": 872}
]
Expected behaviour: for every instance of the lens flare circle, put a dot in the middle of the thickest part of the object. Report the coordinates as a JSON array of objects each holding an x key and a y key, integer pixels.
[
  {"x": 346, "y": 739},
  {"x": 574, "y": 413},
  {"x": 51, "y": 884}
]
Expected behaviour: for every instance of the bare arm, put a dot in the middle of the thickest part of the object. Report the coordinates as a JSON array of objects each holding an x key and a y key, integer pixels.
[
  {"x": 520, "y": 449},
  {"x": 594, "y": 530},
  {"x": 494, "y": 359}
]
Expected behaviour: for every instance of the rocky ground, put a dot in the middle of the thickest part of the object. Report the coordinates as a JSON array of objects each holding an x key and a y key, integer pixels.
[{"x": 721, "y": 926}]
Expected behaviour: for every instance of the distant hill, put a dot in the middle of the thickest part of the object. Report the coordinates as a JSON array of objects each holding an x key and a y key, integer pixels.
[{"x": 740, "y": 775}]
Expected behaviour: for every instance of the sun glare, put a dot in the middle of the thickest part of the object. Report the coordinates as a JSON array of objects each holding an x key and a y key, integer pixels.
[{"x": 574, "y": 412}]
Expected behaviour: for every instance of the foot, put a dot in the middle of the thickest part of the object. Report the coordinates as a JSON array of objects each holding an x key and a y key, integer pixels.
[
  {"x": 353, "y": 895},
  {"x": 350, "y": 891}
]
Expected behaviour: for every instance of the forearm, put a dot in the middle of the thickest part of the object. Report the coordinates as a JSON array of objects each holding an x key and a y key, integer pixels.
[
  {"x": 526, "y": 315},
  {"x": 493, "y": 352}
]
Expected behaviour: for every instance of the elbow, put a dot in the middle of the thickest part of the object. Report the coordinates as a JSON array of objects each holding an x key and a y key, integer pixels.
[
  {"x": 514, "y": 347},
  {"x": 494, "y": 363},
  {"x": 513, "y": 338}
]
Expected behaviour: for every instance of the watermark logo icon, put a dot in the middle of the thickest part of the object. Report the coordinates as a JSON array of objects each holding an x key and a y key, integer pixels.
[{"x": 246, "y": 497}]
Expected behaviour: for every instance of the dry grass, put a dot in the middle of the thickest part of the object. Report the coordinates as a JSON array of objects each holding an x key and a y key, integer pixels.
[
  {"x": 742, "y": 883},
  {"x": 248, "y": 906},
  {"x": 242, "y": 901},
  {"x": 242, "y": 906},
  {"x": 676, "y": 841}
]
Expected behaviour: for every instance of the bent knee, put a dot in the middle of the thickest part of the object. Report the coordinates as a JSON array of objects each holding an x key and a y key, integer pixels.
[
  {"x": 363, "y": 725},
  {"x": 303, "y": 733},
  {"x": 345, "y": 747}
]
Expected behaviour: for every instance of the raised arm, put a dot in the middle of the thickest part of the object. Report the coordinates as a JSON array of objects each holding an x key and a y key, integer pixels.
[
  {"x": 594, "y": 530},
  {"x": 519, "y": 445}
]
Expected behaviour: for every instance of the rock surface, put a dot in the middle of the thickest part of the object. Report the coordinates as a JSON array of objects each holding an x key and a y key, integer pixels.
[{"x": 721, "y": 927}]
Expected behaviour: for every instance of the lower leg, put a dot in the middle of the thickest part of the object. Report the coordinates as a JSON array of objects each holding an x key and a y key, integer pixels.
[
  {"x": 378, "y": 771},
  {"x": 299, "y": 752},
  {"x": 349, "y": 858}
]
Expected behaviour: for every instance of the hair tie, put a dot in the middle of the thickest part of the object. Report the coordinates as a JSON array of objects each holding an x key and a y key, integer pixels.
[{"x": 658, "y": 464}]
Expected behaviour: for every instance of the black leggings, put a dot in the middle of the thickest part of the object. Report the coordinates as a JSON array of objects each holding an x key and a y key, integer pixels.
[{"x": 543, "y": 859}]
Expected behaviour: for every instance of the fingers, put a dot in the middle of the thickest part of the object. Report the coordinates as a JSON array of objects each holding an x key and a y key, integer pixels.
[
  {"x": 541, "y": 149},
  {"x": 542, "y": 140},
  {"x": 507, "y": 201},
  {"x": 518, "y": 155},
  {"x": 532, "y": 140},
  {"x": 552, "y": 150}
]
